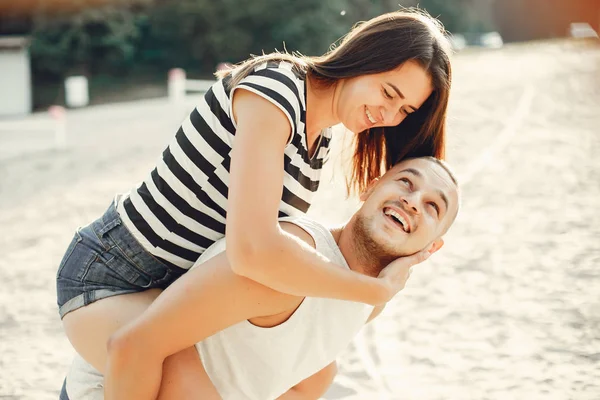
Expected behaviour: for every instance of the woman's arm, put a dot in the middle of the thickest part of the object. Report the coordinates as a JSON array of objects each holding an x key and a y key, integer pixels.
[{"x": 257, "y": 247}]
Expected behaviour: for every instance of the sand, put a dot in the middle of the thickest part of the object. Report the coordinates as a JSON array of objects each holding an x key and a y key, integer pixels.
[{"x": 509, "y": 309}]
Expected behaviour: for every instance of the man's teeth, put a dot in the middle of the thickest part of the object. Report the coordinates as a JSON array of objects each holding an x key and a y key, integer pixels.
[
  {"x": 373, "y": 120},
  {"x": 398, "y": 217}
]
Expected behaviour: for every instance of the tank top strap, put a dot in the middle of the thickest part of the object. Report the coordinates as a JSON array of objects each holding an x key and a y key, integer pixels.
[{"x": 324, "y": 241}]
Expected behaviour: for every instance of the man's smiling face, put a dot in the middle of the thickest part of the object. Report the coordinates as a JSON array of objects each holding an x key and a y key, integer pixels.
[{"x": 407, "y": 209}]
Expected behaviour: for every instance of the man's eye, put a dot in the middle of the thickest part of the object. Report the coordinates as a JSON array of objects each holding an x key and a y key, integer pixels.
[
  {"x": 386, "y": 94},
  {"x": 405, "y": 181},
  {"x": 435, "y": 207}
]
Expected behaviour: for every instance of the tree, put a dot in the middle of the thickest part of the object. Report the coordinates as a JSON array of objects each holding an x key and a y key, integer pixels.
[{"x": 88, "y": 42}]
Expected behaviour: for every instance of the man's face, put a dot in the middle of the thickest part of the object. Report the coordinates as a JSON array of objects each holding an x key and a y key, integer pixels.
[{"x": 406, "y": 210}]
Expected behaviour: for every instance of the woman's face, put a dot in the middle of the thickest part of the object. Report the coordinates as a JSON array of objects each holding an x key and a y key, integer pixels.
[{"x": 383, "y": 99}]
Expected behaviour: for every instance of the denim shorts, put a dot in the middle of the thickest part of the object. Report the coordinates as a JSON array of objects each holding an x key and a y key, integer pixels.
[{"x": 103, "y": 260}]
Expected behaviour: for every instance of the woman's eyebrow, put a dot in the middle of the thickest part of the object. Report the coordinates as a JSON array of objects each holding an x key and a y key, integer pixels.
[
  {"x": 400, "y": 94},
  {"x": 397, "y": 90}
]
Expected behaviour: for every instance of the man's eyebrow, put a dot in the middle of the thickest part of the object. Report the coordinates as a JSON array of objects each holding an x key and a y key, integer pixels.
[
  {"x": 418, "y": 173},
  {"x": 412, "y": 171},
  {"x": 400, "y": 94},
  {"x": 444, "y": 198}
]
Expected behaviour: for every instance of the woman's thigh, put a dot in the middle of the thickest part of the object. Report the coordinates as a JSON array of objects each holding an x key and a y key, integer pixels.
[
  {"x": 105, "y": 280},
  {"x": 104, "y": 259},
  {"x": 184, "y": 378},
  {"x": 88, "y": 328}
]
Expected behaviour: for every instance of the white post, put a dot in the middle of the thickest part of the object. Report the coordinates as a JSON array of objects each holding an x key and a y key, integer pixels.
[
  {"x": 57, "y": 113},
  {"x": 176, "y": 85},
  {"x": 76, "y": 91}
]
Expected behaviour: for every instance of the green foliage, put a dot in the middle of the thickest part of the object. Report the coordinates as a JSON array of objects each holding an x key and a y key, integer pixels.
[
  {"x": 92, "y": 41},
  {"x": 202, "y": 33},
  {"x": 452, "y": 15},
  {"x": 196, "y": 35}
]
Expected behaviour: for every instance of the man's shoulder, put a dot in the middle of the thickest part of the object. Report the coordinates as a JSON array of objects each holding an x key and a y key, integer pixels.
[
  {"x": 318, "y": 236},
  {"x": 321, "y": 236},
  {"x": 295, "y": 227}
]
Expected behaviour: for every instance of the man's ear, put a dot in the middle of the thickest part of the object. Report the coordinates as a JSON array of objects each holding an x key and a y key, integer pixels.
[
  {"x": 367, "y": 192},
  {"x": 436, "y": 245}
]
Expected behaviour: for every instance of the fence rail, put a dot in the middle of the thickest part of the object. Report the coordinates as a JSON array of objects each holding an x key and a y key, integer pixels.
[
  {"x": 54, "y": 122},
  {"x": 179, "y": 85}
]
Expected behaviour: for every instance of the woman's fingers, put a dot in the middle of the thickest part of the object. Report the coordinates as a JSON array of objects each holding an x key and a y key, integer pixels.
[
  {"x": 398, "y": 271},
  {"x": 410, "y": 261},
  {"x": 422, "y": 256},
  {"x": 413, "y": 260}
]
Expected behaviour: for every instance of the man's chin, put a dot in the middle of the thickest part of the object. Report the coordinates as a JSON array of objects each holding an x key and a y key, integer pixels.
[
  {"x": 376, "y": 246},
  {"x": 375, "y": 254}
]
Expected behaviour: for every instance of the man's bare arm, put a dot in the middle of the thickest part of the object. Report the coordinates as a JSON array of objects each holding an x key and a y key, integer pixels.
[
  {"x": 314, "y": 386},
  {"x": 376, "y": 311}
]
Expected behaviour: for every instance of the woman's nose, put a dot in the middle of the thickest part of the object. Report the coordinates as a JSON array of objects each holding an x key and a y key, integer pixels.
[{"x": 389, "y": 116}]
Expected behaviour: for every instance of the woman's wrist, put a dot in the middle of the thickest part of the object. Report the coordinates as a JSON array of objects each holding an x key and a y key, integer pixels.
[
  {"x": 374, "y": 291},
  {"x": 382, "y": 292}
]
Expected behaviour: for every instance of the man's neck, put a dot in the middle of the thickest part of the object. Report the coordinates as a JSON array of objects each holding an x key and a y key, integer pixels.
[{"x": 353, "y": 255}]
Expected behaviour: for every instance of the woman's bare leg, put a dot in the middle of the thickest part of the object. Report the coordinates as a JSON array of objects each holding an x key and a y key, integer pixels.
[
  {"x": 184, "y": 378},
  {"x": 88, "y": 328}
]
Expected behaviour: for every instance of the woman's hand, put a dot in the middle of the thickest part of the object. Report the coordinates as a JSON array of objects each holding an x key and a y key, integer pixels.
[{"x": 395, "y": 275}]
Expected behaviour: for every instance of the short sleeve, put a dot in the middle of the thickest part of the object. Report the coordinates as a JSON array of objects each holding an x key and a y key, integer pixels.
[
  {"x": 214, "y": 250},
  {"x": 280, "y": 86}
]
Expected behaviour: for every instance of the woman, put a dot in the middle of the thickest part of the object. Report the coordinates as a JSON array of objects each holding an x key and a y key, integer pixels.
[{"x": 252, "y": 151}]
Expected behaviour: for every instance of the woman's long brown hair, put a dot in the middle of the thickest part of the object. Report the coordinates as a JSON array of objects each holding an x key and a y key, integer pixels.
[{"x": 380, "y": 45}]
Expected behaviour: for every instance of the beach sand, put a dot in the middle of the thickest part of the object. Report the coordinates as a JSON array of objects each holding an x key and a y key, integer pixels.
[{"x": 509, "y": 309}]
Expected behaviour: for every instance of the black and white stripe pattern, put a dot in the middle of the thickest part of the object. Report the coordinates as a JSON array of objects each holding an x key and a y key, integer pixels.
[{"x": 180, "y": 208}]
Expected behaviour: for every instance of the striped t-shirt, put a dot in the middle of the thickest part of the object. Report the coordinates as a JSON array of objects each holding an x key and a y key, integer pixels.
[{"x": 179, "y": 210}]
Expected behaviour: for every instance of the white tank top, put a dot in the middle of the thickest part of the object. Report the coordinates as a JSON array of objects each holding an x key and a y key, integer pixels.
[{"x": 245, "y": 361}]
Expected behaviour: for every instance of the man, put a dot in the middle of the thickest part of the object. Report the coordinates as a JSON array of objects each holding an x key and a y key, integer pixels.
[{"x": 256, "y": 343}]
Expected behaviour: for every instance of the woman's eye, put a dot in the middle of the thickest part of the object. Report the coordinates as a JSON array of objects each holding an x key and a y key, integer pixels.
[
  {"x": 405, "y": 181},
  {"x": 386, "y": 94}
]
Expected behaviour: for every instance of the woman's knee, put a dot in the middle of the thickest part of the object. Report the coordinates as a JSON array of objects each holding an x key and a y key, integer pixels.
[{"x": 89, "y": 328}]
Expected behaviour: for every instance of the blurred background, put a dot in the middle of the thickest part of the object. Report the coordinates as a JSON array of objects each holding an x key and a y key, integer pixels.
[
  {"x": 92, "y": 90},
  {"x": 125, "y": 47}
]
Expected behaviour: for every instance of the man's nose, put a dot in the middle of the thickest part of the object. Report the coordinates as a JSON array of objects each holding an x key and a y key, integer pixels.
[{"x": 412, "y": 201}]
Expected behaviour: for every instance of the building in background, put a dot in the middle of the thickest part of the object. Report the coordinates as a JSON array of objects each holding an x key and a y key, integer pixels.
[
  {"x": 520, "y": 20},
  {"x": 513, "y": 20},
  {"x": 15, "y": 76}
]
